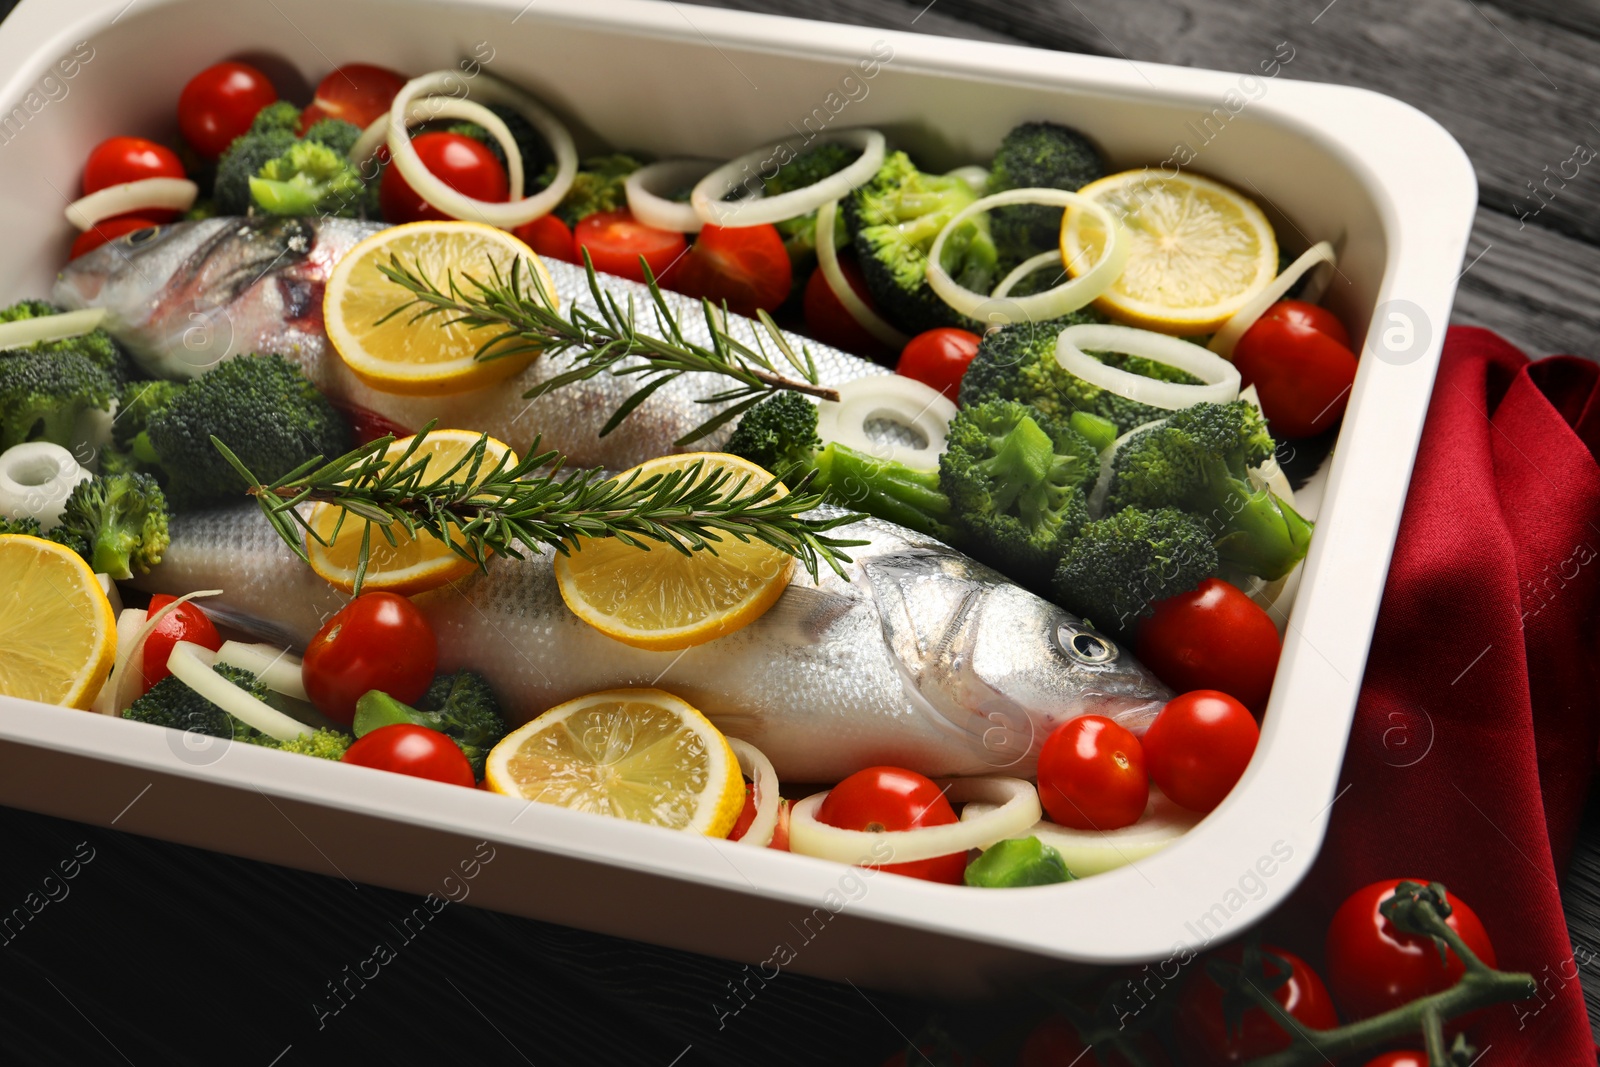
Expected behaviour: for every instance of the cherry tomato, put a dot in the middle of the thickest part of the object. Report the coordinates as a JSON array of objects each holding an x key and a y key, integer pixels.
[
  {"x": 828, "y": 321},
  {"x": 460, "y": 162},
  {"x": 1402, "y": 1058},
  {"x": 368, "y": 425},
  {"x": 939, "y": 358},
  {"x": 1298, "y": 357},
  {"x": 615, "y": 242},
  {"x": 1092, "y": 776},
  {"x": 892, "y": 798},
  {"x": 746, "y": 266},
  {"x": 1204, "y": 1032},
  {"x": 780, "y": 834},
  {"x": 747, "y": 815},
  {"x": 1213, "y": 637},
  {"x": 219, "y": 104},
  {"x": 406, "y": 748},
  {"x": 1199, "y": 746},
  {"x": 549, "y": 236},
  {"x": 184, "y": 623},
  {"x": 358, "y": 93},
  {"x": 1372, "y": 966},
  {"x": 131, "y": 159},
  {"x": 377, "y": 641},
  {"x": 108, "y": 230}
]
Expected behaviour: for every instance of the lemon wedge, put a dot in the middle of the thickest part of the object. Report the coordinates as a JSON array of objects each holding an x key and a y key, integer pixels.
[
  {"x": 57, "y": 633},
  {"x": 427, "y": 357},
  {"x": 637, "y": 754}
]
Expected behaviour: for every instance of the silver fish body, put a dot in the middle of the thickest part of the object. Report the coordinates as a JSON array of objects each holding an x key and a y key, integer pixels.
[
  {"x": 923, "y": 658},
  {"x": 185, "y": 296}
]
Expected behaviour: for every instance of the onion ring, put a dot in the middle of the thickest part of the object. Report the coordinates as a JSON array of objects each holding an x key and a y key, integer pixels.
[
  {"x": 653, "y": 209},
  {"x": 191, "y": 664},
  {"x": 125, "y": 692},
  {"x": 1224, "y": 340},
  {"x": 1023, "y": 269},
  {"x": 1089, "y": 852},
  {"x": 843, "y": 291},
  {"x": 278, "y": 668},
  {"x": 36, "y": 478},
  {"x": 759, "y": 769},
  {"x": 712, "y": 209},
  {"x": 1018, "y": 810},
  {"x": 174, "y": 194},
  {"x": 894, "y": 398},
  {"x": 1220, "y": 378}
]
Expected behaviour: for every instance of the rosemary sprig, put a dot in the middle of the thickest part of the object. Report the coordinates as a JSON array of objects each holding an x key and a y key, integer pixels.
[
  {"x": 517, "y": 311},
  {"x": 479, "y": 505}
]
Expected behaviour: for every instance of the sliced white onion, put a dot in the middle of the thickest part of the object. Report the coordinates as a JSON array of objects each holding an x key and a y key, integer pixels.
[
  {"x": 1016, "y": 809},
  {"x": 758, "y": 769},
  {"x": 508, "y": 215},
  {"x": 191, "y": 664},
  {"x": 653, "y": 209},
  {"x": 35, "y": 480},
  {"x": 376, "y": 133},
  {"x": 25, "y": 332},
  {"x": 1108, "y": 459},
  {"x": 893, "y": 398},
  {"x": 429, "y": 108},
  {"x": 976, "y": 177},
  {"x": 1023, "y": 269},
  {"x": 758, "y": 208},
  {"x": 1088, "y": 852},
  {"x": 108, "y": 586},
  {"x": 1220, "y": 378},
  {"x": 128, "y": 680},
  {"x": 278, "y": 668},
  {"x": 828, "y": 263},
  {"x": 1224, "y": 340},
  {"x": 1065, "y": 298},
  {"x": 176, "y": 194},
  {"x": 129, "y": 622}
]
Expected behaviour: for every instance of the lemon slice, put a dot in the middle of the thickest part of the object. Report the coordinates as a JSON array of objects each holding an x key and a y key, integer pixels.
[
  {"x": 658, "y": 598},
  {"x": 410, "y": 565},
  {"x": 1199, "y": 250},
  {"x": 426, "y": 357},
  {"x": 636, "y": 754},
  {"x": 57, "y": 634}
]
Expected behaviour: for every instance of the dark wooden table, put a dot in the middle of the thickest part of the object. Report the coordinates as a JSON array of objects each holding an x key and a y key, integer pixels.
[{"x": 156, "y": 953}]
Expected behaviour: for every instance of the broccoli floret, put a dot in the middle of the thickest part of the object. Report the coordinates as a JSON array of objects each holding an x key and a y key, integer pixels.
[
  {"x": 310, "y": 178},
  {"x": 337, "y": 134},
  {"x": 895, "y": 217},
  {"x": 322, "y": 743},
  {"x": 122, "y": 519},
  {"x": 202, "y": 210},
  {"x": 1038, "y": 155},
  {"x": 779, "y": 434},
  {"x": 598, "y": 187},
  {"x": 1199, "y": 461},
  {"x": 137, "y": 403},
  {"x": 173, "y": 704},
  {"x": 262, "y": 407},
  {"x": 1115, "y": 570},
  {"x": 97, "y": 346},
  {"x": 43, "y": 393},
  {"x": 29, "y": 526},
  {"x": 461, "y": 706},
  {"x": 807, "y": 168},
  {"x": 278, "y": 115},
  {"x": 242, "y": 161},
  {"x": 1016, "y": 482}
]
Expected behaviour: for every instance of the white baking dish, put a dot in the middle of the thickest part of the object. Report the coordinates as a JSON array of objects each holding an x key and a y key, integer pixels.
[{"x": 1329, "y": 162}]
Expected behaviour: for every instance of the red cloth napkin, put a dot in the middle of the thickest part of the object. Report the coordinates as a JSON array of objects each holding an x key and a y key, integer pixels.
[{"x": 1475, "y": 734}]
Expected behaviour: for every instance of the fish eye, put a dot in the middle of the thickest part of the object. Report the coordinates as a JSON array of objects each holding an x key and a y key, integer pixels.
[
  {"x": 140, "y": 237},
  {"x": 1086, "y": 646}
]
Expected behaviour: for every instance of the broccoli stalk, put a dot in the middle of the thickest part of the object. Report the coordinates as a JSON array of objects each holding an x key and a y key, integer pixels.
[
  {"x": 1016, "y": 480},
  {"x": 172, "y": 704},
  {"x": 310, "y": 178},
  {"x": 461, "y": 706},
  {"x": 1115, "y": 570},
  {"x": 122, "y": 519},
  {"x": 1199, "y": 460}
]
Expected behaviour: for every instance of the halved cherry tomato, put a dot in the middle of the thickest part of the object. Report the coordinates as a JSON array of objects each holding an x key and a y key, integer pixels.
[
  {"x": 1204, "y": 1031},
  {"x": 219, "y": 104},
  {"x": 377, "y": 641},
  {"x": 1213, "y": 637},
  {"x": 615, "y": 241},
  {"x": 1298, "y": 357},
  {"x": 358, "y": 93},
  {"x": 828, "y": 321},
  {"x": 406, "y": 748},
  {"x": 746, "y": 266},
  {"x": 131, "y": 159},
  {"x": 460, "y": 162},
  {"x": 108, "y": 230},
  {"x": 1372, "y": 966},
  {"x": 186, "y": 622},
  {"x": 1092, "y": 776},
  {"x": 893, "y": 798},
  {"x": 549, "y": 236},
  {"x": 1199, "y": 746},
  {"x": 939, "y": 358}
]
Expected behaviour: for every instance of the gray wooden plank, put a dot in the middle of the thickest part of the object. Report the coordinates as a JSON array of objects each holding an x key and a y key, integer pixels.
[
  {"x": 1580, "y": 16},
  {"x": 1537, "y": 288}
]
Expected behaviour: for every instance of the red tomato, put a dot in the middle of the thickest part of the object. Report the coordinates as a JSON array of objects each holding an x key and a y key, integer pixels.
[
  {"x": 131, "y": 159},
  {"x": 358, "y": 93},
  {"x": 184, "y": 623},
  {"x": 1092, "y": 776},
  {"x": 1204, "y": 1032},
  {"x": 1213, "y": 637},
  {"x": 1298, "y": 357},
  {"x": 780, "y": 835},
  {"x": 550, "y": 237},
  {"x": 892, "y": 798},
  {"x": 615, "y": 242},
  {"x": 219, "y": 104},
  {"x": 746, "y": 266},
  {"x": 829, "y": 322},
  {"x": 405, "y": 748},
  {"x": 377, "y": 641},
  {"x": 1402, "y": 1058},
  {"x": 939, "y": 358},
  {"x": 1199, "y": 746},
  {"x": 367, "y": 424},
  {"x": 747, "y": 815},
  {"x": 1373, "y": 967},
  {"x": 108, "y": 230},
  {"x": 460, "y": 162}
]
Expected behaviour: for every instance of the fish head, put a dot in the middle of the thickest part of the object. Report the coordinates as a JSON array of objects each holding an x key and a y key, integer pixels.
[{"x": 999, "y": 665}]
